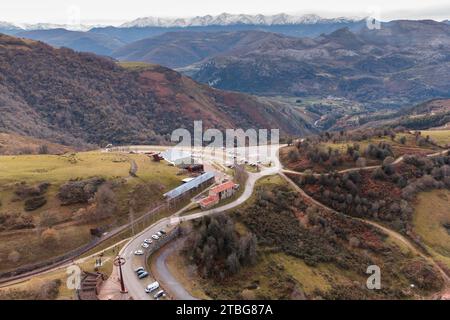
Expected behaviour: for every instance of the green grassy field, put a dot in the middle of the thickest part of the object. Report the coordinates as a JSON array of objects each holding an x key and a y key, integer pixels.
[
  {"x": 57, "y": 170},
  {"x": 432, "y": 210},
  {"x": 441, "y": 137}
]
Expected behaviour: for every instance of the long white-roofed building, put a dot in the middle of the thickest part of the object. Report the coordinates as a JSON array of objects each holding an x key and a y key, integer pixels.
[{"x": 191, "y": 187}]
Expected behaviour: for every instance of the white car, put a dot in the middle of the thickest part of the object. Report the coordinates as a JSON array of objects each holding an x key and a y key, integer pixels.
[
  {"x": 148, "y": 241},
  {"x": 140, "y": 269},
  {"x": 152, "y": 287},
  {"x": 155, "y": 237},
  {"x": 159, "y": 234},
  {"x": 159, "y": 294},
  {"x": 145, "y": 245},
  {"x": 139, "y": 252}
]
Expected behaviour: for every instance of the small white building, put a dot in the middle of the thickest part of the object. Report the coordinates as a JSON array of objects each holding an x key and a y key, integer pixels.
[{"x": 177, "y": 157}]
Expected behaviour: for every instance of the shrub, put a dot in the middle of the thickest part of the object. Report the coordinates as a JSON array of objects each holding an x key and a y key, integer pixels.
[
  {"x": 378, "y": 174},
  {"x": 80, "y": 191},
  {"x": 35, "y": 203},
  {"x": 293, "y": 155},
  {"x": 50, "y": 238}
]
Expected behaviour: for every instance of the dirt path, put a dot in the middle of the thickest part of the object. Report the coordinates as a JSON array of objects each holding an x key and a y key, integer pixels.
[{"x": 397, "y": 161}]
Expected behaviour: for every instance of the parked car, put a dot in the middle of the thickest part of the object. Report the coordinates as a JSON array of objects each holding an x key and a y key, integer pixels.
[
  {"x": 159, "y": 234},
  {"x": 159, "y": 294},
  {"x": 140, "y": 272},
  {"x": 155, "y": 237},
  {"x": 162, "y": 231},
  {"x": 139, "y": 252},
  {"x": 137, "y": 270},
  {"x": 152, "y": 287},
  {"x": 148, "y": 241},
  {"x": 145, "y": 245},
  {"x": 142, "y": 275}
]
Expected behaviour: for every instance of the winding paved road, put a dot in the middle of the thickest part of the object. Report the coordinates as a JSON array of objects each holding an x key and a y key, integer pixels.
[
  {"x": 135, "y": 286},
  {"x": 164, "y": 275}
]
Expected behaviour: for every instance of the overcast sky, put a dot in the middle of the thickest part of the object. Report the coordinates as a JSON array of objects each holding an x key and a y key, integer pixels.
[{"x": 115, "y": 11}]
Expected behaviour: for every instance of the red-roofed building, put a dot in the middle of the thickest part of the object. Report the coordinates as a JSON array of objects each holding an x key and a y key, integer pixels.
[
  {"x": 217, "y": 193},
  {"x": 223, "y": 190},
  {"x": 209, "y": 201}
]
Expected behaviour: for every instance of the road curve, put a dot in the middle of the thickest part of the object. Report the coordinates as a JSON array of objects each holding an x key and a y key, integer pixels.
[
  {"x": 135, "y": 286},
  {"x": 386, "y": 230},
  {"x": 166, "y": 278}
]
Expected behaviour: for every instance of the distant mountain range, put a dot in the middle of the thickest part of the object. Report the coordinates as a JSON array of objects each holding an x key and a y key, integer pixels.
[
  {"x": 403, "y": 62},
  {"x": 12, "y": 28},
  {"x": 110, "y": 37},
  {"x": 180, "y": 49},
  {"x": 77, "y": 40},
  {"x": 78, "y": 98},
  {"x": 226, "y": 19}
]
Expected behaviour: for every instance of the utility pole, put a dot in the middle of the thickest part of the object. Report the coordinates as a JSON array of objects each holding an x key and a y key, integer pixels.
[
  {"x": 131, "y": 206},
  {"x": 119, "y": 262}
]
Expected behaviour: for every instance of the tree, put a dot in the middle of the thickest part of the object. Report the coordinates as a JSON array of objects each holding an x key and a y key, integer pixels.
[
  {"x": 133, "y": 168},
  {"x": 43, "y": 149},
  {"x": 233, "y": 264},
  {"x": 105, "y": 201},
  {"x": 215, "y": 244},
  {"x": 289, "y": 141},
  {"x": 240, "y": 174},
  {"x": 378, "y": 174},
  {"x": 293, "y": 155}
]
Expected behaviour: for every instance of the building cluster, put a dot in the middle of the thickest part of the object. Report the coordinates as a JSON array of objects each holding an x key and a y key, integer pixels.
[{"x": 198, "y": 181}]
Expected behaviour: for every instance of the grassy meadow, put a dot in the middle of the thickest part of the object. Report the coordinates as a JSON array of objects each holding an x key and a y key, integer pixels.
[{"x": 57, "y": 170}]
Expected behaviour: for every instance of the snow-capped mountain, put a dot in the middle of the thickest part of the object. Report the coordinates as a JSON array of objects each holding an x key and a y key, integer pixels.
[
  {"x": 226, "y": 19},
  {"x": 50, "y": 26},
  {"x": 45, "y": 26},
  {"x": 8, "y": 26}
]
